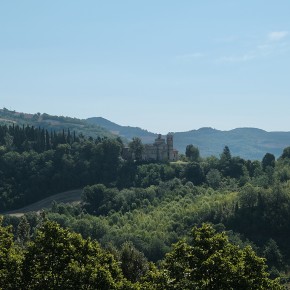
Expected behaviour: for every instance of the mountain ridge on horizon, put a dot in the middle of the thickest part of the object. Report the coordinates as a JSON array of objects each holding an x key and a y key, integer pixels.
[
  {"x": 105, "y": 120},
  {"x": 246, "y": 142}
]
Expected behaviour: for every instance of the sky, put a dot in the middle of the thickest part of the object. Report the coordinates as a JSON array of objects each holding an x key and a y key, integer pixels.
[{"x": 162, "y": 65}]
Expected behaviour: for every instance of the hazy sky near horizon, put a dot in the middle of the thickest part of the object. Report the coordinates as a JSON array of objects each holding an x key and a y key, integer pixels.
[{"x": 161, "y": 65}]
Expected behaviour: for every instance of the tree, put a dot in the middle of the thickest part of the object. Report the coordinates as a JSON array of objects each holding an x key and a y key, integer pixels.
[
  {"x": 248, "y": 196},
  {"x": 93, "y": 197},
  {"x": 236, "y": 167},
  {"x": 226, "y": 155},
  {"x": 59, "y": 259},
  {"x": 192, "y": 153},
  {"x": 110, "y": 159},
  {"x": 210, "y": 261},
  {"x": 8, "y": 141},
  {"x": 23, "y": 231},
  {"x": 273, "y": 255},
  {"x": 137, "y": 148},
  {"x": 214, "y": 178},
  {"x": 194, "y": 173},
  {"x": 286, "y": 153},
  {"x": 268, "y": 160},
  {"x": 10, "y": 260},
  {"x": 134, "y": 265},
  {"x": 225, "y": 161}
]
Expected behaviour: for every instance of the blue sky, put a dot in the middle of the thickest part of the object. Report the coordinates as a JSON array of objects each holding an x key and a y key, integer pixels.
[{"x": 160, "y": 65}]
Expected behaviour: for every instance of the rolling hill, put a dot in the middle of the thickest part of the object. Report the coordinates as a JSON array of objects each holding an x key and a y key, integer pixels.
[
  {"x": 248, "y": 143},
  {"x": 123, "y": 131},
  {"x": 56, "y": 123}
]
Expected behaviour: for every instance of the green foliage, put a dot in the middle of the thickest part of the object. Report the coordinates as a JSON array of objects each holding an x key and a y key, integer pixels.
[
  {"x": 53, "y": 123},
  {"x": 151, "y": 217},
  {"x": 147, "y": 206},
  {"x": 93, "y": 196},
  {"x": 59, "y": 259},
  {"x": 29, "y": 176},
  {"x": 268, "y": 160},
  {"x": 286, "y": 153},
  {"x": 192, "y": 153},
  {"x": 136, "y": 148},
  {"x": 10, "y": 260},
  {"x": 147, "y": 175},
  {"x": 134, "y": 265},
  {"x": 273, "y": 255},
  {"x": 214, "y": 178},
  {"x": 248, "y": 196},
  {"x": 209, "y": 261},
  {"x": 229, "y": 166},
  {"x": 23, "y": 231},
  {"x": 193, "y": 172}
]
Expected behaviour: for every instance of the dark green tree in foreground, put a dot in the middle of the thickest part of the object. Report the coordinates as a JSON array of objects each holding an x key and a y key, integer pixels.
[
  {"x": 10, "y": 260},
  {"x": 134, "y": 265},
  {"x": 60, "y": 259},
  {"x": 210, "y": 261}
]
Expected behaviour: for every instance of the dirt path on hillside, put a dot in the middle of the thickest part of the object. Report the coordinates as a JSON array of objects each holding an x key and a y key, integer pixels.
[{"x": 72, "y": 196}]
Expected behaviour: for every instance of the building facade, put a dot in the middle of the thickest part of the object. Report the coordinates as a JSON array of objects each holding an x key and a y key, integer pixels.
[{"x": 161, "y": 149}]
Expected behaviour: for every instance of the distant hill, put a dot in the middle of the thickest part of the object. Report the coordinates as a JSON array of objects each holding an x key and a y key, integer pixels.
[
  {"x": 248, "y": 143},
  {"x": 123, "y": 131},
  {"x": 56, "y": 123}
]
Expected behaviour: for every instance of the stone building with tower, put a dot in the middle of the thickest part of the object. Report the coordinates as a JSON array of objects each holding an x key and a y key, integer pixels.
[{"x": 161, "y": 149}]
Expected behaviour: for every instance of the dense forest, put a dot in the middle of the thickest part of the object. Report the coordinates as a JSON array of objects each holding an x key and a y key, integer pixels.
[
  {"x": 35, "y": 163},
  {"x": 58, "y": 259},
  {"x": 155, "y": 211},
  {"x": 54, "y": 123},
  {"x": 248, "y": 143}
]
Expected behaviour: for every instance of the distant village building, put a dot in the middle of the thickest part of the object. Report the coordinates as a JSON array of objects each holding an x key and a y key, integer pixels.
[{"x": 160, "y": 150}]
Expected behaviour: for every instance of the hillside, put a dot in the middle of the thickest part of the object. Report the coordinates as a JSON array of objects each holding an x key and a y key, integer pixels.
[
  {"x": 56, "y": 123},
  {"x": 72, "y": 196},
  {"x": 123, "y": 131},
  {"x": 249, "y": 143},
  {"x": 150, "y": 205}
]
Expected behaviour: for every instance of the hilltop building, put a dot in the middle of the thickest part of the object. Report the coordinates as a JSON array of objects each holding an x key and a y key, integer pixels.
[{"x": 160, "y": 150}]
